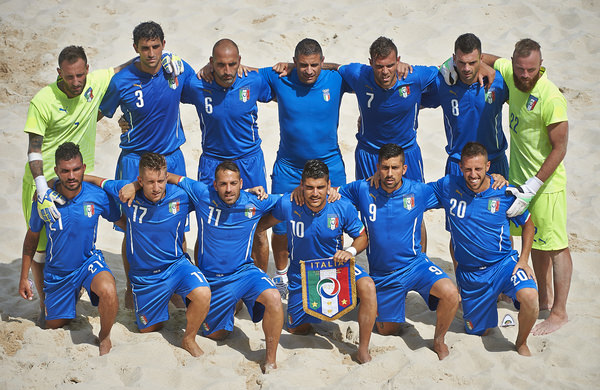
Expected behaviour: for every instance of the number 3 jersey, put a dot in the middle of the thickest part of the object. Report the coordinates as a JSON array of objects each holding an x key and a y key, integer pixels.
[
  {"x": 393, "y": 221},
  {"x": 478, "y": 223},
  {"x": 72, "y": 238},
  {"x": 154, "y": 234},
  {"x": 225, "y": 232},
  {"x": 316, "y": 235}
]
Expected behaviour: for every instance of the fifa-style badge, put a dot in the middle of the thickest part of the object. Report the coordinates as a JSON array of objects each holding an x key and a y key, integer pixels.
[
  {"x": 531, "y": 102},
  {"x": 89, "y": 94},
  {"x": 404, "y": 91},
  {"x": 88, "y": 209},
  {"x": 326, "y": 95},
  {"x": 245, "y": 94},
  {"x": 174, "y": 207},
  {"x": 250, "y": 211},
  {"x": 333, "y": 222},
  {"x": 409, "y": 201},
  {"x": 493, "y": 205}
]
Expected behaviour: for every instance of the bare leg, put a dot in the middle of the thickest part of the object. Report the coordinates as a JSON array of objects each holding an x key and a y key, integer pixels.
[
  {"x": 260, "y": 250},
  {"x": 302, "y": 330},
  {"x": 195, "y": 315},
  {"x": 446, "y": 291},
  {"x": 367, "y": 311},
  {"x": 542, "y": 265},
  {"x": 423, "y": 238},
  {"x": 128, "y": 292},
  {"x": 528, "y": 298},
  {"x": 57, "y": 323},
  {"x": 562, "y": 270},
  {"x": 280, "y": 253},
  {"x": 103, "y": 285},
  {"x": 37, "y": 270},
  {"x": 272, "y": 324},
  {"x": 454, "y": 262},
  {"x": 387, "y": 328}
]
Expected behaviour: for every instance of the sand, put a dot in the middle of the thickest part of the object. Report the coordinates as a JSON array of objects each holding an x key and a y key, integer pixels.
[{"x": 34, "y": 32}]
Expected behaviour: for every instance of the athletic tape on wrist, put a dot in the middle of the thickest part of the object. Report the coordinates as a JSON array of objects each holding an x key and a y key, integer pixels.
[
  {"x": 351, "y": 250},
  {"x": 35, "y": 157}
]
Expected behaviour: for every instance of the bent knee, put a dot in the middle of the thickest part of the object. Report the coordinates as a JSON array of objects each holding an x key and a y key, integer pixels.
[
  {"x": 365, "y": 287},
  {"x": 387, "y": 328},
  {"x": 271, "y": 298},
  {"x": 528, "y": 297},
  {"x": 200, "y": 295}
]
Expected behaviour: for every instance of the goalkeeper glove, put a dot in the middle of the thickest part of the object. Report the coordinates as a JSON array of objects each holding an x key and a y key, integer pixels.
[
  {"x": 449, "y": 72},
  {"x": 523, "y": 196}
]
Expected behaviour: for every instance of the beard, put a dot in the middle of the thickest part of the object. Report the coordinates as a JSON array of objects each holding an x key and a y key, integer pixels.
[{"x": 526, "y": 86}]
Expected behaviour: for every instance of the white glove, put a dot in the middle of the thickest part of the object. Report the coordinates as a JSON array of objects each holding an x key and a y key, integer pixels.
[
  {"x": 523, "y": 196},
  {"x": 46, "y": 199},
  {"x": 449, "y": 72}
]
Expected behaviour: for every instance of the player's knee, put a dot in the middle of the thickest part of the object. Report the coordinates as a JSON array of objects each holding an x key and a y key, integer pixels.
[
  {"x": 200, "y": 295},
  {"x": 528, "y": 299},
  {"x": 387, "y": 328},
  {"x": 366, "y": 288},
  {"x": 448, "y": 291},
  {"x": 106, "y": 290}
]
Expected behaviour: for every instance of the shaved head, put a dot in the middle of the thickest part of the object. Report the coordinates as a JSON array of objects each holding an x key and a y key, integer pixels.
[{"x": 225, "y": 45}]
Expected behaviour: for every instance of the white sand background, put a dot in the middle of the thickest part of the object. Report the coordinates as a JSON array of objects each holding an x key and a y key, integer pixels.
[{"x": 32, "y": 33}]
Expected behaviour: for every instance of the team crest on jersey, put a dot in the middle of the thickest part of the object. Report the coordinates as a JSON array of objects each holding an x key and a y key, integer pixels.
[
  {"x": 174, "y": 207},
  {"x": 245, "y": 94},
  {"x": 490, "y": 96},
  {"x": 333, "y": 221},
  {"x": 404, "y": 91},
  {"x": 326, "y": 95},
  {"x": 531, "y": 102},
  {"x": 89, "y": 94},
  {"x": 250, "y": 211},
  {"x": 88, "y": 209},
  {"x": 409, "y": 201},
  {"x": 493, "y": 205}
]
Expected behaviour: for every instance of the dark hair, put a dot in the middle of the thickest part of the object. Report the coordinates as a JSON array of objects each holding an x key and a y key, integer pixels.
[
  {"x": 315, "y": 169},
  {"x": 473, "y": 149},
  {"x": 388, "y": 151},
  {"x": 71, "y": 54},
  {"x": 467, "y": 43},
  {"x": 66, "y": 152},
  {"x": 153, "y": 162},
  {"x": 148, "y": 30},
  {"x": 227, "y": 165},
  {"x": 382, "y": 47},
  {"x": 225, "y": 42},
  {"x": 524, "y": 47},
  {"x": 307, "y": 47}
]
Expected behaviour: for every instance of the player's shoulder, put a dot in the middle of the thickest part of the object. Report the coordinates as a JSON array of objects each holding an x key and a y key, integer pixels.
[
  {"x": 547, "y": 88},
  {"x": 46, "y": 95}
]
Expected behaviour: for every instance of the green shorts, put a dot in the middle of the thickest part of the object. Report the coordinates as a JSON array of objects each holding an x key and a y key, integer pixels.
[
  {"x": 27, "y": 200},
  {"x": 549, "y": 215}
]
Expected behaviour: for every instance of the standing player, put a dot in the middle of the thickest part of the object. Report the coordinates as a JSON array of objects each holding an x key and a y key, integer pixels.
[
  {"x": 149, "y": 99},
  {"x": 227, "y": 219},
  {"x": 228, "y": 114},
  {"x": 392, "y": 215},
  {"x": 308, "y": 101},
  {"x": 538, "y": 144},
  {"x": 471, "y": 112},
  {"x": 313, "y": 234},
  {"x": 159, "y": 266},
  {"x": 72, "y": 264},
  {"x": 487, "y": 264},
  {"x": 64, "y": 111}
]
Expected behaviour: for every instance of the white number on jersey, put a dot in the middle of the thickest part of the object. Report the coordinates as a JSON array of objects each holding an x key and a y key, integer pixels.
[
  {"x": 518, "y": 277},
  {"x": 371, "y": 95},
  {"x": 435, "y": 270},
  {"x": 372, "y": 212},
  {"x": 217, "y": 213},
  {"x": 93, "y": 269},
  {"x": 297, "y": 228},
  {"x": 199, "y": 276},
  {"x": 454, "y": 104},
  {"x": 142, "y": 210},
  {"x": 457, "y": 209},
  {"x": 208, "y": 105},
  {"x": 60, "y": 225},
  {"x": 140, "y": 97}
]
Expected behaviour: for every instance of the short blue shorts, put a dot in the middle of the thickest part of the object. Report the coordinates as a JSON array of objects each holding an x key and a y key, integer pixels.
[
  {"x": 286, "y": 178},
  {"x": 62, "y": 291},
  {"x": 151, "y": 293},
  {"x": 252, "y": 170},
  {"x": 366, "y": 163},
  {"x": 246, "y": 284},
  {"x": 498, "y": 165},
  {"x": 479, "y": 290},
  {"x": 296, "y": 315},
  {"x": 420, "y": 276}
]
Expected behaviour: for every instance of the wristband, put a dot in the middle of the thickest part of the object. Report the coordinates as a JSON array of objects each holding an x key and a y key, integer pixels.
[
  {"x": 534, "y": 184},
  {"x": 180, "y": 180},
  {"x": 351, "y": 250},
  {"x": 35, "y": 157},
  {"x": 41, "y": 184}
]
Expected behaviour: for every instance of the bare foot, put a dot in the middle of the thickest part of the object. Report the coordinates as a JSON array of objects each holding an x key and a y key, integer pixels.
[
  {"x": 363, "y": 357},
  {"x": 129, "y": 299},
  {"x": 523, "y": 350},
  {"x": 269, "y": 367},
  {"x": 192, "y": 347},
  {"x": 441, "y": 349},
  {"x": 177, "y": 301},
  {"x": 105, "y": 346},
  {"x": 551, "y": 324}
]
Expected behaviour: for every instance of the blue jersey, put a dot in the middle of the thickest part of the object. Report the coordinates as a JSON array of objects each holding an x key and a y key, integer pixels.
[
  {"x": 72, "y": 238},
  {"x": 308, "y": 116},
  {"x": 150, "y": 104},
  {"x": 387, "y": 115},
  {"x": 225, "y": 232},
  {"x": 318, "y": 235},
  {"x": 228, "y": 116},
  {"x": 154, "y": 235},
  {"x": 470, "y": 114},
  {"x": 393, "y": 221},
  {"x": 478, "y": 223}
]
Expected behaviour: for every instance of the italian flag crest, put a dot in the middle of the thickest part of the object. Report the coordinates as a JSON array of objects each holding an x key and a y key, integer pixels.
[
  {"x": 245, "y": 94},
  {"x": 174, "y": 207},
  {"x": 88, "y": 209},
  {"x": 250, "y": 211}
]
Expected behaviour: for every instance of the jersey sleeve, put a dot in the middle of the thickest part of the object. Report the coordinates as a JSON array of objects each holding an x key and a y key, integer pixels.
[
  {"x": 280, "y": 209},
  {"x": 350, "y": 74},
  {"x": 190, "y": 94},
  {"x": 37, "y": 122},
  {"x": 504, "y": 66},
  {"x": 430, "y": 97},
  {"x": 111, "y": 99},
  {"x": 267, "y": 205},
  {"x": 434, "y": 198},
  {"x": 188, "y": 73},
  {"x": 520, "y": 220},
  {"x": 193, "y": 188},
  {"x": 350, "y": 192},
  {"x": 265, "y": 93},
  {"x": 352, "y": 226},
  {"x": 112, "y": 187},
  {"x": 427, "y": 75},
  {"x": 35, "y": 222},
  {"x": 112, "y": 211},
  {"x": 554, "y": 110},
  {"x": 268, "y": 75}
]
